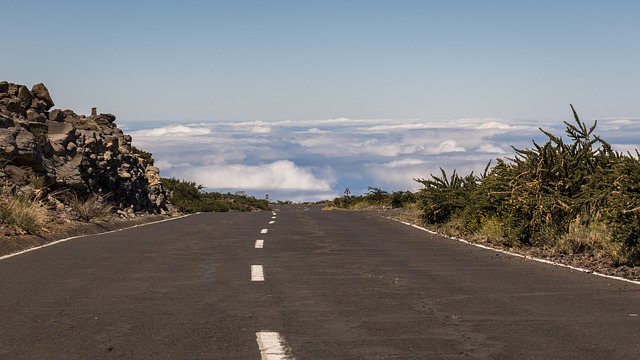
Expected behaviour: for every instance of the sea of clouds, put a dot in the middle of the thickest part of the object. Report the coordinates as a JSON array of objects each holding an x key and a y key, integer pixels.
[{"x": 311, "y": 160}]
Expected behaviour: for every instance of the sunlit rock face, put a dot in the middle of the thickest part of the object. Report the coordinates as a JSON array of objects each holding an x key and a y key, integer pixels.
[{"x": 67, "y": 151}]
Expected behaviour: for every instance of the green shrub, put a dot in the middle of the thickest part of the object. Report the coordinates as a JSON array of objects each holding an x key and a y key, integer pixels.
[
  {"x": 375, "y": 197},
  {"x": 547, "y": 196},
  {"x": 402, "y": 199},
  {"x": 40, "y": 136},
  {"x": 444, "y": 196},
  {"x": 143, "y": 154},
  {"x": 188, "y": 197}
]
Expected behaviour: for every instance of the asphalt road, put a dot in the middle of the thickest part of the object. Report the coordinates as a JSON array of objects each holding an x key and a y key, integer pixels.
[{"x": 337, "y": 285}]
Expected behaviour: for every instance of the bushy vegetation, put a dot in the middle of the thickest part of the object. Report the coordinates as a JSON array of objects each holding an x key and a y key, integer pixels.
[
  {"x": 376, "y": 197},
  {"x": 188, "y": 197},
  {"x": 570, "y": 197},
  {"x": 143, "y": 154}
]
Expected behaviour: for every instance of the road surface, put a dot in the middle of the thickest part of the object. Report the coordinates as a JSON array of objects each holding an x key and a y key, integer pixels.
[{"x": 301, "y": 283}]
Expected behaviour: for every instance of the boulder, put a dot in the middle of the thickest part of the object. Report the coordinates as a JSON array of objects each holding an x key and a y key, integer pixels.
[
  {"x": 34, "y": 116},
  {"x": 36, "y": 127},
  {"x": 58, "y": 131},
  {"x": 13, "y": 89},
  {"x": 5, "y": 121},
  {"x": 69, "y": 175},
  {"x": 18, "y": 176},
  {"x": 25, "y": 96},
  {"x": 41, "y": 92},
  {"x": 60, "y": 135},
  {"x": 109, "y": 118},
  {"x": 38, "y": 105},
  {"x": 8, "y": 148},
  {"x": 153, "y": 176},
  {"x": 56, "y": 115},
  {"x": 27, "y": 147},
  {"x": 12, "y": 105},
  {"x": 71, "y": 147}
]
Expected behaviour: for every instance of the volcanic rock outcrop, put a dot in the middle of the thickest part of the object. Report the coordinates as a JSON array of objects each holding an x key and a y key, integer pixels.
[{"x": 70, "y": 152}]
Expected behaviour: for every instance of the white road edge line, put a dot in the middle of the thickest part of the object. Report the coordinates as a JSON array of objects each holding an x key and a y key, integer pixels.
[
  {"x": 263, "y": 231},
  {"x": 271, "y": 346},
  {"x": 257, "y": 273},
  {"x": 81, "y": 236},
  {"x": 259, "y": 244},
  {"x": 522, "y": 256}
]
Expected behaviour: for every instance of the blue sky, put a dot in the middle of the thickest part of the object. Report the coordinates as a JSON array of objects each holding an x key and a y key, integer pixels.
[{"x": 210, "y": 64}]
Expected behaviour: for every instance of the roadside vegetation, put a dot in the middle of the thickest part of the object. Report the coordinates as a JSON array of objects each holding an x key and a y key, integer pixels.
[
  {"x": 34, "y": 207},
  {"x": 189, "y": 197},
  {"x": 22, "y": 213},
  {"x": 375, "y": 197},
  {"x": 572, "y": 197},
  {"x": 400, "y": 205},
  {"x": 567, "y": 197}
]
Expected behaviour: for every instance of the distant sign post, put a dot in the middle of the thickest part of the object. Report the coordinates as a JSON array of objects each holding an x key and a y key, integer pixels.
[
  {"x": 347, "y": 192},
  {"x": 266, "y": 196}
]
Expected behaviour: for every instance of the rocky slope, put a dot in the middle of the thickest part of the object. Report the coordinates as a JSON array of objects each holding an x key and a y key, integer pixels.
[{"x": 54, "y": 151}]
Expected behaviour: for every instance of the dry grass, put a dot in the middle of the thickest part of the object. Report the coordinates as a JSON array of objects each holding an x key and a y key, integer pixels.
[
  {"x": 454, "y": 227},
  {"x": 93, "y": 207},
  {"x": 582, "y": 238},
  {"x": 594, "y": 238},
  {"x": 491, "y": 231},
  {"x": 24, "y": 213}
]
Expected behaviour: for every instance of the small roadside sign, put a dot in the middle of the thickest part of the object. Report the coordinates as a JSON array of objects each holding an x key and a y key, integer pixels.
[{"x": 347, "y": 191}]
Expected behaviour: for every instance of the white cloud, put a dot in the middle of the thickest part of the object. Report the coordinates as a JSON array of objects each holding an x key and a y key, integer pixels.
[
  {"x": 398, "y": 174},
  {"x": 261, "y": 129},
  {"x": 494, "y": 125},
  {"x": 404, "y": 163},
  {"x": 318, "y": 141},
  {"x": 490, "y": 148},
  {"x": 447, "y": 146},
  {"x": 173, "y": 131},
  {"x": 315, "y": 130},
  {"x": 626, "y": 148},
  {"x": 617, "y": 124},
  {"x": 308, "y": 159},
  {"x": 379, "y": 148},
  {"x": 279, "y": 175},
  {"x": 163, "y": 164}
]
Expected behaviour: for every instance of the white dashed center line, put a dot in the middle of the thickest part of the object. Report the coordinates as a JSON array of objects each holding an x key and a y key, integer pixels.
[
  {"x": 271, "y": 346},
  {"x": 263, "y": 231},
  {"x": 259, "y": 244},
  {"x": 257, "y": 273},
  {"x": 272, "y": 222}
]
